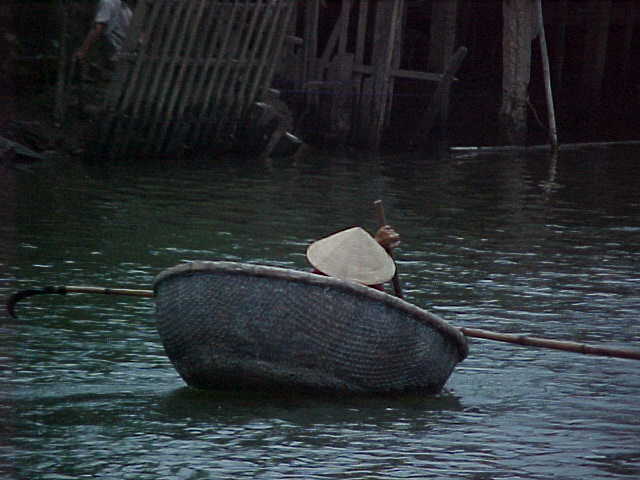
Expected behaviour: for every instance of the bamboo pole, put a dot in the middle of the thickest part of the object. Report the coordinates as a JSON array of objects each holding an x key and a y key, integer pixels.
[
  {"x": 524, "y": 340},
  {"x": 225, "y": 85},
  {"x": 197, "y": 61},
  {"x": 217, "y": 80},
  {"x": 553, "y": 134},
  {"x": 553, "y": 344},
  {"x": 478, "y": 150},
  {"x": 339, "y": 31},
  {"x": 173, "y": 86},
  {"x": 161, "y": 79},
  {"x": 180, "y": 94},
  {"x": 229, "y": 92},
  {"x": 257, "y": 56}
]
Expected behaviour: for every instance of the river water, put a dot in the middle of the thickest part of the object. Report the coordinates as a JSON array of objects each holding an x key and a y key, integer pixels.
[{"x": 513, "y": 243}]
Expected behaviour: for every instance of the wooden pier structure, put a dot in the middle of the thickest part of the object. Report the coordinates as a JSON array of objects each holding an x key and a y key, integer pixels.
[
  {"x": 190, "y": 73},
  {"x": 348, "y": 75},
  {"x": 197, "y": 73}
]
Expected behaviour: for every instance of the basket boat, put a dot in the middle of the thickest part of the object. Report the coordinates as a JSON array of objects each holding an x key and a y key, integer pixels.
[{"x": 227, "y": 325}]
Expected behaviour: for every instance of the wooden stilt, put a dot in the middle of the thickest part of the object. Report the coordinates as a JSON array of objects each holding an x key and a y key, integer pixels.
[
  {"x": 551, "y": 114},
  {"x": 516, "y": 69},
  {"x": 387, "y": 20}
]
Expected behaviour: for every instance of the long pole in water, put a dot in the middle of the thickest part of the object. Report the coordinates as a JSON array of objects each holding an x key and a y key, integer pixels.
[
  {"x": 63, "y": 290},
  {"x": 553, "y": 344},
  {"x": 525, "y": 340},
  {"x": 551, "y": 114}
]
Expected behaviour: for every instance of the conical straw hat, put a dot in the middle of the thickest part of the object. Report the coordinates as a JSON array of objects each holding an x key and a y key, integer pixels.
[{"x": 354, "y": 255}]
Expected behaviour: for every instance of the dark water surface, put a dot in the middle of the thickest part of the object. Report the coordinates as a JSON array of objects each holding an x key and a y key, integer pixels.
[{"x": 508, "y": 243}]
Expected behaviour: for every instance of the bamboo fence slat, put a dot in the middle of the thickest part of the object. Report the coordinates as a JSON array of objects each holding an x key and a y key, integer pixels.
[{"x": 191, "y": 68}]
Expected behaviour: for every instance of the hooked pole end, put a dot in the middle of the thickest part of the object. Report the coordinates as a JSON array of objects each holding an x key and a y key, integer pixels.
[{"x": 22, "y": 294}]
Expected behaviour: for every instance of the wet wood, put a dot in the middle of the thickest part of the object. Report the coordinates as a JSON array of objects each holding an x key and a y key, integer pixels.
[
  {"x": 551, "y": 113},
  {"x": 516, "y": 69}
]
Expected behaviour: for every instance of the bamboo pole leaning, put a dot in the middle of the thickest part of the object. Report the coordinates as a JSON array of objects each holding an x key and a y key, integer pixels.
[{"x": 553, "y": 132}]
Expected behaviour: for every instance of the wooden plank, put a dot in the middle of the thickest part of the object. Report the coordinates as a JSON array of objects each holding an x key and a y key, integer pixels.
[
  {"x": 211, "y": 60},
  {"x": 387, "y": 20},
  {"x": 191, "y": 68},
  {"x": 250, "y": 73},
  {"x": 400, "y": 73},
  {"x": 361, "y": 33},
  {"x": 178, "y": 88},
  {"x": 174, "y": 76},
  {"x": 227, "y": 91},
  {"x": 338, "y": 30},
  {"x": 217, "y": 81}
]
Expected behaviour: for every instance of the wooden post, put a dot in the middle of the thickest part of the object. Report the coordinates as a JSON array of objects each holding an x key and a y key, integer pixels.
[
  {"x": 388, "y": 18},
  {"x": 516, "y": 68},
  {"x": 551, "y": 113}
]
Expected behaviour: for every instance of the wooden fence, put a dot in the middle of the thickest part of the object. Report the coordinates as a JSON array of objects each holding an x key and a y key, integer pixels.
[{"x": 189, "y": 73}]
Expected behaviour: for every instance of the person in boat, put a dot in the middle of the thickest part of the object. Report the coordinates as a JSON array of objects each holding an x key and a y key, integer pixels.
[
  {"x": 111, "y": 22},
  {"x": 354, "y": 255}
]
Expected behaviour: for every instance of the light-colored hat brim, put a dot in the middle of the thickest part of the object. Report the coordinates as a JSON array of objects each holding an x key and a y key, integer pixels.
[{"x": 352, "y": 255}]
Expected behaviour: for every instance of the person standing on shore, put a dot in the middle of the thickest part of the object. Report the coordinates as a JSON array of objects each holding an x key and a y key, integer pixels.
[{"x": 111, "y": 22}]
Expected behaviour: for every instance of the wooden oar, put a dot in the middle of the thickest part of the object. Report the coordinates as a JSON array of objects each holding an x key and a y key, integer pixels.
[
  {"x": 382, "y": 220},
  {"x": 62, "y": 290},
  {"x": 469, "y": 332}
]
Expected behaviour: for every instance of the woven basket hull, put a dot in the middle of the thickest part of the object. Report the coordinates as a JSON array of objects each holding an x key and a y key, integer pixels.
[{"x": 228, "y": 325}]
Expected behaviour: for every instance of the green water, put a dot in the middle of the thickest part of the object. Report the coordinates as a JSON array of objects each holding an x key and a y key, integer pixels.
[{"x": 509, "y": 243}]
